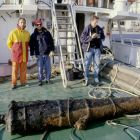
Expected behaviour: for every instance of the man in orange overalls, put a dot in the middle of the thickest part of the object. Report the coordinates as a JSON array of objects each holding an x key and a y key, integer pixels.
[{"x": 18, "y": 42}]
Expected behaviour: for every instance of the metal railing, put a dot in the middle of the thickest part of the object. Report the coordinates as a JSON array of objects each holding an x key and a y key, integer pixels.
[
  {"x": 77, "y": 37},
  {"x": 17, "y": 2},
  {"x": 62, "y": 65},
  {"x": 134, "y": 7},
  {"x": 12, "y": 2},
  {"x": 134, "y": 42},
  {"x": 99, "y": 4},
  {"x": 129, "y": 41}
]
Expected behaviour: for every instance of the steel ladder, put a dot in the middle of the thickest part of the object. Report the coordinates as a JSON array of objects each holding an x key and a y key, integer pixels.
[{"x": 67, "y": 40}]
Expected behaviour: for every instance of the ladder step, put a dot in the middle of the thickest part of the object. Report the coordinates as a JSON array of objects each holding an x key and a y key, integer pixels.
[
  {"x": 60, "y": 27},
  {"x": 67, "y": 37},
  {"x": 64, "y": 23},
  {"x": 59, "y": 17},
  {"x": 67, "y": 20},
  {"x": 75, "y": 60},
  {"x": 61, "y": 4},
  {"x": 58, "y": 54},
  {"x": 61, "y": 30},
  {"x": 65, "y": 54},
  {"x": 68, "y": 45},
  {"x": 61, "y": 10}
]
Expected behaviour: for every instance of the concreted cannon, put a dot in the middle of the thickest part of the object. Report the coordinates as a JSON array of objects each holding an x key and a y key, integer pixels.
[{"x": 37, "y": 116}]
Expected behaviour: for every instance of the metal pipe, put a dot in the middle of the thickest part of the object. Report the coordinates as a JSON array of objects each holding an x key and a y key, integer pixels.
[
  {"x": 62, "y": 66},
  {"x": 129, "y": 79},
  {"x": 120, "y": 31},
  {"x": 78, "y": 40},
  {"x": 122, "y": 84}
]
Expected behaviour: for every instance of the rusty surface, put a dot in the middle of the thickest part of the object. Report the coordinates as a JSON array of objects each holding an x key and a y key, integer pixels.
[{"x": 38, "y": 116}]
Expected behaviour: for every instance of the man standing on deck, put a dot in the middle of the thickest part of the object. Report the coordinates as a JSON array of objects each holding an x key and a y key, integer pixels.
[
  {"x": 18, "y": 42},
  {"x": 91, "y": 40},
  {"x": 41, "y": 48}
]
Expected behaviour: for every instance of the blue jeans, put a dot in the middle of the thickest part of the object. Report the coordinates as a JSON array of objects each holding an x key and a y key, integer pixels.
[
  {"x": 92, "y": 54},
  {"x": 44, "y": 63}
]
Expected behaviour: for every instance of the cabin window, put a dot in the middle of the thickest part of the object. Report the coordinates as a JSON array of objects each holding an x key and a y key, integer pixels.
[
  {"x": 122, "y": 23},
  {"x": 100, "y": 3}
]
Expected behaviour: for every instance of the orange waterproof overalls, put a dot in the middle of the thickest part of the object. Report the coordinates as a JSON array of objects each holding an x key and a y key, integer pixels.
[{"x": 18, "y": 42}]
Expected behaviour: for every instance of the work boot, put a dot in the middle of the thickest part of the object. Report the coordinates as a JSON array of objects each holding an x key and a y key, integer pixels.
[
  {"x": 25, "y": 85},
  {"x": 96, "y": 80},
  {"x": 13, "y": 87},
  {"x": 49, "y": 82},
  {"x": 40, "y": 83}
]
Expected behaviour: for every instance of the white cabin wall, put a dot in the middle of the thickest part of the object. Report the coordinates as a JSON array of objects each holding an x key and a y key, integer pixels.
[
  {"x": 103, "y": 23},
  {"x": 5, "y": 28},
  {"x": 87, "y": 19},
  {"x": 45, "y": 15}
]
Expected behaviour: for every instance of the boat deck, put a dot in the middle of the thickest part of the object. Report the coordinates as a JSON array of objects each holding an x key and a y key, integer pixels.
[
  {"x": 35, "y": 92},
  {"x": 5, "y": 70},
  {"x": 98, "y": 131}
]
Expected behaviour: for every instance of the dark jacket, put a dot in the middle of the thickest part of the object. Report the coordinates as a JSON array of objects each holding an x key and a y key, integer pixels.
[
  {"x": 86, "y": 37},
  {"x": 48, "y": 45}
]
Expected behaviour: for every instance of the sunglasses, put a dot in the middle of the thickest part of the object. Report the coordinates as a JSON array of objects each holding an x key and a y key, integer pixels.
[{"x": 38, "y": 24}]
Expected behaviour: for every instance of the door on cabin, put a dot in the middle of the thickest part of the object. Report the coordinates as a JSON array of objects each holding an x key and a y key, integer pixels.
[{"x": 80, "y": 21}]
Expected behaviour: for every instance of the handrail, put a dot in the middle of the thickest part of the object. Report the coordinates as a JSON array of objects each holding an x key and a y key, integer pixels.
[
  {"x": 48, "y": 3},
  {"x": 60, "y": 47},
  {"x": 13, "y": 3},
  {"x": 130, "y": 39},
  {"x": 78, "y": 40},
  {"x": 134, "y": 7}
]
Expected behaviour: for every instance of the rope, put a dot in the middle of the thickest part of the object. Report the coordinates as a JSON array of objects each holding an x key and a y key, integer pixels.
[
  {"x": 117, "y": 89},
  {"x": 137, "y": 116},
  {"x": 138, "y": 79},
  {"x": 60, "y": 113},
  {"x": 111, "y": 88},
  {"x": 108, "y": 53},
  {"x": 44, "y": 135},
  {"x": 114, "y": 106},
  {"x": 113, "y": 80},
  {"x": 87, "y": 108},
  {"x": 73, "y": 130},
  {"x": 73, "y": 134},
  {"x": 111, "y": 122},
  {"x": 68, "y": 111},
  {"x": 130, "y": 134}
]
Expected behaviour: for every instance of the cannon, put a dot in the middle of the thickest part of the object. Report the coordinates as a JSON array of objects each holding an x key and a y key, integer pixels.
[{"x": 38, "y": 116}]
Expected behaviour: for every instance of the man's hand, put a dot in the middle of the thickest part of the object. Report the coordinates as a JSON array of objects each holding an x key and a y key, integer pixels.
[
  {"x": 51, "y": 53},
  {"x": 34, "y": 58},
  {"x": 94, "y": 35}
]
